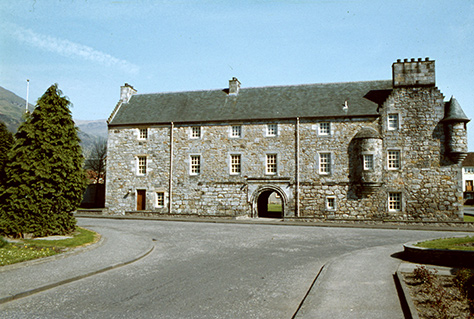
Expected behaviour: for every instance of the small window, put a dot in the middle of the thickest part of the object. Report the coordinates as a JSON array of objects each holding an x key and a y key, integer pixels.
[
  {"x": 392, "y": 122},
  {"x": 324, "y": 128},
  {"x": 271, "y": 167},
  {"x": 272, "y": 130},
  {"x": 236, "y": 131},
  {"x": 393, "y": 159},
  {"x": 469, "y": 170},
  {"x": 195, "y": 161},
  {"x": 143, "y": 134},
  {"x": 368, "y": 162},
  {"x": 235, "y": 164},
  {"x": 160, "y": 199},
  {"x": 469, "y": 186},
  {"x": 141, "y": 165},
  {"x": 196, "y": 132},
  {"x": 330, "y": 203},
  {"x": 394, "y": 201},
  {"x": 325, "y": 163}
]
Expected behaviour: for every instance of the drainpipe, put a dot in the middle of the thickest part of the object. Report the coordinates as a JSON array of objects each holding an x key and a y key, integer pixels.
[
  {"x": 170, "y": 204},
  {"x": 297, "y": 167}
]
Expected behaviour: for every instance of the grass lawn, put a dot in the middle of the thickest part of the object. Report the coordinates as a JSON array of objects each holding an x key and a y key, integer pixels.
[
  {"x": 274, "y": 207},
  {"x": 459, "y": 243},
  {"x": 468, "y": 218},
  {"x": 28, "y": 249}
]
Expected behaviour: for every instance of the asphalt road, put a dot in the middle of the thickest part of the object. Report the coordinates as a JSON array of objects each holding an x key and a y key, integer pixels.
[{"x": 206, "y": 270}]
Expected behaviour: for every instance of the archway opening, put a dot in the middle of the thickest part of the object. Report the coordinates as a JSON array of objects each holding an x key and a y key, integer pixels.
[{"x": 270, "y": 205}]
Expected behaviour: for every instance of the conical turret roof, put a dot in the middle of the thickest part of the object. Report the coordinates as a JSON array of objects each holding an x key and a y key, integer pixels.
[{"x": 453, "y": 112}]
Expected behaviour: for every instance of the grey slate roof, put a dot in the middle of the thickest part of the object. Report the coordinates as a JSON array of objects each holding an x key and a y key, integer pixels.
[
  {"x": 263, "y": 103},
  {"x": 454, "y": 112}
]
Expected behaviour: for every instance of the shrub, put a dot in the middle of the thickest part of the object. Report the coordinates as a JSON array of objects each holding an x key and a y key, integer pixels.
[{"x": 3, "y": 242}]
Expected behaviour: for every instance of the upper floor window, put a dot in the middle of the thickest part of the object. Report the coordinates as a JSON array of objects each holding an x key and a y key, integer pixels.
[
  {"x": 324, "y": 128},
  {"x": 141, "y": 165},
  {"x": 195, "y": 165},
  {"x": 271, "y": 165},
  {"x": 235, "y": 164},
  {"x": 143, "y": 133},
  {"x": 393, "y": 159},
  {"x": 236, "y": 131},
  {"x": 272, "y": 129},
  {"x": 368, "y": 162},
  {"x": 392, "y": 122},
  {"x": 195, "y": 132},
  {"x": 325, "y": 163},
  {"x": 469, "y": 170},
  {"x": 394, "y": 201}
]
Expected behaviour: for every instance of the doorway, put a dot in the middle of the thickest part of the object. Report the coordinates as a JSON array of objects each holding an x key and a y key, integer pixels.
[
  {"x": 141, "y": 199},
  {"x": 270, "y": 204}
]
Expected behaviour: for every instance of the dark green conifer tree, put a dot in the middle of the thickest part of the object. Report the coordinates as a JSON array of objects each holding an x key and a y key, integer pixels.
[
  {"x": 6, "y": 142},
  {"x": 45, "y": 180}
]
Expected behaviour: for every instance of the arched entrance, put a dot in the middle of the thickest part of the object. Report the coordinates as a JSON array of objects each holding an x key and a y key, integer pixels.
[{"x": 269, "y": 202}]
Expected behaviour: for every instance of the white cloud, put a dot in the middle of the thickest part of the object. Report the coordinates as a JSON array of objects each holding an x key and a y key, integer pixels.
[{"x": 70, "y": 49}]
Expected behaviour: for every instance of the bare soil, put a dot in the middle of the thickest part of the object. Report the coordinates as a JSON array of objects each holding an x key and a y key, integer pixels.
[{"x": 439, "y": 298}]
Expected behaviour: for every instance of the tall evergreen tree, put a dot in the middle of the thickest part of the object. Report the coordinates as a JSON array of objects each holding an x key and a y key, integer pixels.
[
  {"x": 6, "y": 142},
  {"x": 45, "y": 179}
]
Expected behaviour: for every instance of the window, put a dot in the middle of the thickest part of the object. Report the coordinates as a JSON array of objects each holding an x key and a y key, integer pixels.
[
  {"x": 236, "y": 131},
  {"x": 271, "y": 164},
  {"x": 160, "y": 199},
  {"x": 394, "y": 201},
  {"x": 330, "y": 203},
  {"x": 393, "y": 159},
  {"x": 143, "y": 134},
  {"x": 368, "y": 162},
  {"x": 272, "y": 130},
  {"x": 325, "y": 163},
  {"x": 195, "y": 162},
  {"x": 469, "y": 170},
  {"x": 196, "y": 132},
  {"x": 235, "y": 164},
  {"x": 324, "y": 128},
  {"x": 392, "y": 122},
  {"x": 141, "y": 165},
  {"x": 469, "y": 186}
]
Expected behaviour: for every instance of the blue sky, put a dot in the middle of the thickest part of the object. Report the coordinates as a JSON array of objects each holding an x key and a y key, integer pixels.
[{"x": 90, "y": 48}]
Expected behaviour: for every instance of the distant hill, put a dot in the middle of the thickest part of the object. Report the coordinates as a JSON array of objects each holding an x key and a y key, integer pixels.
[{"x": 12, "y": 108}]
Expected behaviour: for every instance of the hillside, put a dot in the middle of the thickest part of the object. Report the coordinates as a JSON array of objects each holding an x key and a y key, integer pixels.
[{"x": 12, "y": 108}]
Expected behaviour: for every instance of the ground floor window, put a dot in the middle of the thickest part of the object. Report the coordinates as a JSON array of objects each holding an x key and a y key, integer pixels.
[
  {"x": 330, "y": 203},
  {"x": 394, "y": 201},
  {"x": 469, "y": 186},
  {"x": 160, "y": 199}
]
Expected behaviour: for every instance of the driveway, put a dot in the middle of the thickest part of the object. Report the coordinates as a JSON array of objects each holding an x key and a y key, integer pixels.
[{"x": 213, "y": 270}]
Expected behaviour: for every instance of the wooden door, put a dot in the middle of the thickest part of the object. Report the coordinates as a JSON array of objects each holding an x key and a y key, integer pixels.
[{"x": 141, "y": 199}]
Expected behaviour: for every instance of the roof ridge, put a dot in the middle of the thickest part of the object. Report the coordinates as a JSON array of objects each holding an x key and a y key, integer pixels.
[{"x": 263, "y": 87}]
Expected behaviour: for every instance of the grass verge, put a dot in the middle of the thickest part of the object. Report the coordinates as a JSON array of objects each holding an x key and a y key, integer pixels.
[
  {"x": 458, "y": 243},
  {"x": 28, "y": 249}
]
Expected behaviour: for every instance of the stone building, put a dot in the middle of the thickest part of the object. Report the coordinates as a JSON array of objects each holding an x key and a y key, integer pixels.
[{"x": 389, "y": 149}]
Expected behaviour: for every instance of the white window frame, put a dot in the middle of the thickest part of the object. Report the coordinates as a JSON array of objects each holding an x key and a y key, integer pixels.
[
  {"x": 143, "y": 133},
  {"x": 236, "y": 131},
  {"x": 331, "y": 203},
  {"x": 469, "y": 170},
  {"x": 393, "y": 121},
  {"x": 195, "y": 132},
  {"x": 324, "y": 129},
  {"x": 235, "y": 167},
  {"x": 271, "y": 164},
  {"x": 394, "y": 159},
  {"x": 142, "y": 165},
  {"x": 368, "y": 162},
  {"x": 272, "y": 130},
  {"x": 160, "y": 199},
  {"x": 394, "y": 201},
  {"x": 194, "y": 164},
  {"x": 325, "y": 163}
]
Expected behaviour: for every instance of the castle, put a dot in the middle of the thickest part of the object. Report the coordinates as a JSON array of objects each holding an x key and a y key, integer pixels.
[{"x": 389, "y": 149}]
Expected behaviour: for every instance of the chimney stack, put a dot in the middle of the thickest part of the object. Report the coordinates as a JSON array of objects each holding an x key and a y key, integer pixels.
[
  {"x": 126, "y": 92},
  {"x": 234, "y": 86}
]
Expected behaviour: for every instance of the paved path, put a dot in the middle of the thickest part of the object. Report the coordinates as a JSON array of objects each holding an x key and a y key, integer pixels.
[{"x": 208, "y": 270}]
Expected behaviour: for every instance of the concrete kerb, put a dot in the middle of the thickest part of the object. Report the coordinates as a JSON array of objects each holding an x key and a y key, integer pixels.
[
  {"x": 75, "y": 278},
  {"x": 286, "y": 222}
]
